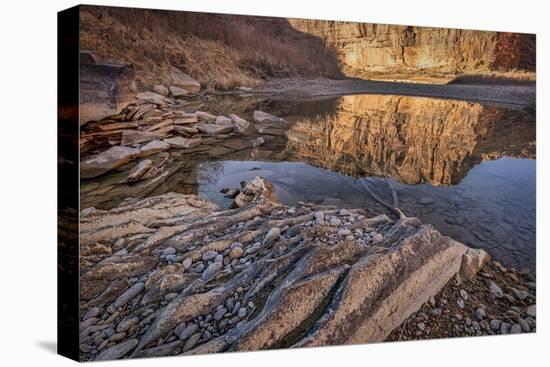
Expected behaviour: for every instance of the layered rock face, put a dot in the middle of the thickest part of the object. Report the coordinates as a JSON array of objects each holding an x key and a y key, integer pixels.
[
  {"x": 415, "y": 140},
  {"x": 366, "y": 49},
  {"x": 173, "y": 274}
]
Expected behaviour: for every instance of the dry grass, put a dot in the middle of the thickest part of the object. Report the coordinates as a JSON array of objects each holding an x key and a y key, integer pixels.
[
  {"x": 496, "y": 77},
  {"x": 220, "y": 51}
]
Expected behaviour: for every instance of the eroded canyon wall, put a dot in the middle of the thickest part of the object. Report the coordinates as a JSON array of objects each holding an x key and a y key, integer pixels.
[{"x": 365, "y": 49}]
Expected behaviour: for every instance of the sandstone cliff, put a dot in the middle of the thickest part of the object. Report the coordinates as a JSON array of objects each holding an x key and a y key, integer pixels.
[
  {"x": 226, "y": 51},
  {"x": 366, "y": 50}
]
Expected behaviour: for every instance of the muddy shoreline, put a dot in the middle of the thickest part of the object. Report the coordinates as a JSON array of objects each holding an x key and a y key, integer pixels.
[{"x": 514, "y": 95}]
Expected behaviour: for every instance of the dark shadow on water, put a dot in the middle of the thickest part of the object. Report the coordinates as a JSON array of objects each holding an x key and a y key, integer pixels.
[{"x": 48, "y": 345}]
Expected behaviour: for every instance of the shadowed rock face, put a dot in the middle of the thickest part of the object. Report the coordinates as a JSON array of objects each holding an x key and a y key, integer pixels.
[
  {"x": 415, "y": 140},
  {"x": 105, "y": 89},
  {"x": 365, "y": 49},
  {"x": 161, "y": 276}
]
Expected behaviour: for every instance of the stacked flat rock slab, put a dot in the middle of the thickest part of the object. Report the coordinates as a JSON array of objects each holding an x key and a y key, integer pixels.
[
  {"x": 150, "y": 121},
  {"x": 180, "y": 276}
]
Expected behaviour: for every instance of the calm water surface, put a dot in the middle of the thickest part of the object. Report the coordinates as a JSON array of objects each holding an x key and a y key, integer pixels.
[{"x": 466, "y": 168}]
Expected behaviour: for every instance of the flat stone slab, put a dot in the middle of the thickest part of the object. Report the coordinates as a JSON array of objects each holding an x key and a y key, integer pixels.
[
  {"x": 132, "y": 137},
  {"x": 106, "y": 161},
  {"x": 182, "y": 143},
  {"x": 214, "y": 129},
  {"x": 153, "y": 147}
]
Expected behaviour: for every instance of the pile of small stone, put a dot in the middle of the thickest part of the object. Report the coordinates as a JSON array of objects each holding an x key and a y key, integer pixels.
[
  {"x": 342, "y": 221},
  {"x": 232, "y": 313},
  {"x": 497, "y": 301}
]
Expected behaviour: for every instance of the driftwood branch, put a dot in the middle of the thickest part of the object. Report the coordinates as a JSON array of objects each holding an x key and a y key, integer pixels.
[{"x": 392, "y": 208}]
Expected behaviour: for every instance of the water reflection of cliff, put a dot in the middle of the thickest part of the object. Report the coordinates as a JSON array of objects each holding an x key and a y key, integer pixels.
[
  {"x": 415, "y": 140},
  {"x": 411, "y": 139}
]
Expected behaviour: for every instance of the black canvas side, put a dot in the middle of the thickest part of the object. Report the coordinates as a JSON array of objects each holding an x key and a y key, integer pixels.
[{"x": 68, "y": 183}]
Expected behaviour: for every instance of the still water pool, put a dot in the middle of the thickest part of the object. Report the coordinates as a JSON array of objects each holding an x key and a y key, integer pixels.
[{"x": 466, "y": 168}]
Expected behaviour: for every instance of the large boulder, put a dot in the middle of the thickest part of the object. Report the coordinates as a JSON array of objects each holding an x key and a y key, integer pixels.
[
  {"x": 179, "y": 79},
  {"x": 105, "y": 89},
  {"x": 106, "y": 161}
]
